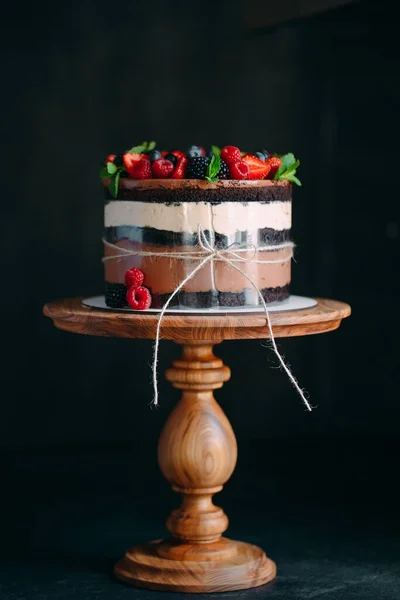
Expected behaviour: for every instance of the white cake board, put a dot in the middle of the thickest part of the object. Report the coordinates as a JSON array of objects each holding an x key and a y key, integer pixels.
[{"x": 291, "y": 303}]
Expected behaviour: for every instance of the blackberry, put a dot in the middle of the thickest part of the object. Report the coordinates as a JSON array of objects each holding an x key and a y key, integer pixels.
[
  {"x": 115, "y": 295},
  {"x": 223, "y": 172},
  {"x": 171, "y": 157},
  {"x": 119, "y": 160},
  {"x": 197, "y": 167}
]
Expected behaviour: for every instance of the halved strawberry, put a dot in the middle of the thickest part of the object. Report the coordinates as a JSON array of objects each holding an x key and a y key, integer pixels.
[
  {"x": 180, "y": 169},
  {"x": 178, "y": 153},
  {"x": 274, "y": 162},
  {"x": 130, "y": 159},
  {"x": 258, "y": 169}
]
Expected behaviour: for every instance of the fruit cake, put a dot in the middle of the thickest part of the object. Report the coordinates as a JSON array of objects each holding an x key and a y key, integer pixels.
[{"x": 167, "y": 211}]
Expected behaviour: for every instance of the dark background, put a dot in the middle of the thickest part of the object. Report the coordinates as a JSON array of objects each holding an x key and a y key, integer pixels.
[{"x": 80, "y": 479}]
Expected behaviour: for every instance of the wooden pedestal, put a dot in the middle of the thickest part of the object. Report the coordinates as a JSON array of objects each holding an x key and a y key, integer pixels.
[{"x": 197, "y": 449}]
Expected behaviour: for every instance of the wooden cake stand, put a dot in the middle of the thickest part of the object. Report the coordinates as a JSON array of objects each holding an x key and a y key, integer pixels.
[{"x": 197, "y": 449}]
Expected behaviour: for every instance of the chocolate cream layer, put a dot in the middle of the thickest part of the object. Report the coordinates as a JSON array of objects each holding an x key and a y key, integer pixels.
[{"x": 161, "y": 217}]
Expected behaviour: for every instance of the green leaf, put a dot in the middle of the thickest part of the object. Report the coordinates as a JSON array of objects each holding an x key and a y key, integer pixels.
[
  {"x": 104, "y": 174},
  {"x": 212, "y": 179},
  {"x": 139, "y": 149},
  {"x": 111, "y": 168},
  {"x": 279, "y": 172},
  {"x": 151, "y": 146},
  {"x": 288, "y": 160},
  {"x": 114, "y": 184},
  {"x": 292, "y": 178},
  {"x": 214, "y": 167},
  {"x": 216, "y": 150}
]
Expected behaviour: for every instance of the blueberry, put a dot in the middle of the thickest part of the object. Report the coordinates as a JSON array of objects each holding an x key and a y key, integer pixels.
[
  {"x": 119, "y": 160},
  {"x": 194, "y": 151},
  {"x": 260, "y": 155},
  {"x": 171, "y": 157},
  {"x": 154, "y": 155},
  {"x": 266, "y": 153}
]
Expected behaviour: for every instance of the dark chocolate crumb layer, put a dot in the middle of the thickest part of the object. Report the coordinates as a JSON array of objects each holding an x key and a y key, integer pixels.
[
  {"x": 213, "y": 196},
  {"x": 115, "y": 297},
  {"x": 157, "y": 237}
]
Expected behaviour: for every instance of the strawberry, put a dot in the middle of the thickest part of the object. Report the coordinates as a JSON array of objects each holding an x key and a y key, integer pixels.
[
  {"x": 239, "y": 170},
  {"x": 141, "y": 169},
  {"x": 110, "y": 158},
  {"x": 162, "y": 169},
  {"x": 178, "y": 153},
  {"x": 180, "y": 169},
  {"x": 134, "y": 277},
  {"x": 230, "y": 154},
  {"x": 274, "y": 162},
  {"x": 130, "y": 159},
  {"x": 258, "y": 169},
  {"x": 138, "y": 298}
]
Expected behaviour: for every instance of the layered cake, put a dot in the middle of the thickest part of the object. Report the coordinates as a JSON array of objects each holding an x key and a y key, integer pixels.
[{"x": 167, "y": 212}]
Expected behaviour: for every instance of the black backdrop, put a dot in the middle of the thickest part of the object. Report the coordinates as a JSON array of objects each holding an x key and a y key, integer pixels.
[{"x": 83, "y": 79}]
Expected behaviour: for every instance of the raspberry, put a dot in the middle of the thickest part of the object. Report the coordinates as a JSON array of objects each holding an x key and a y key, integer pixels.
[
  {"x": 134, "y": 277},
  {"x": 239, "y": 170},
  {"x": 138, "y": 298},
  {"x": 230, "y": 154},
  {"x": 162, "y": 169},
  {"x": 141, "y": 169}
]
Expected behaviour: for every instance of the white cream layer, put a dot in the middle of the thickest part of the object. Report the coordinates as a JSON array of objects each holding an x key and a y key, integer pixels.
[{"x": 225, "y": 218}]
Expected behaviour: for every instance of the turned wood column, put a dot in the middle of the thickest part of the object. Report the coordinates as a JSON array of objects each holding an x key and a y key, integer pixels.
[{"x": 197, "y": 450}]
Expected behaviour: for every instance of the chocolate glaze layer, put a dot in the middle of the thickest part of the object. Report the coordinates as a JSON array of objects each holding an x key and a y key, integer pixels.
[
  {"x": 197, "y": 190},
  {"x": 158, "y": 237},
  {"x": 115, "y": 297}
]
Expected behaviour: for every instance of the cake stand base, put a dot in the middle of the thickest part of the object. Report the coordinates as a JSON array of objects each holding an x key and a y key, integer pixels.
[{"x": 221, "y": 566}]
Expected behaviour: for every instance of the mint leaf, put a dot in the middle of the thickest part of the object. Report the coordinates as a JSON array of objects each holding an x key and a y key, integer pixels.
[
  {"x": 292, "y": 178},
  {"x": 114, "y": 184},
  {"x": 150, "y": 146},
  {"x": 212, "y": 179},
  {"x": 104, "y": 174},
  {"x": 213, "y": 168},
  {"x": 139, "y": 149},
  {"x": 288, "y": 160},
  {"x": 279, "y": 172},
  {"x": 111, "y": 168},
  {"x": 216, "y": 150}
]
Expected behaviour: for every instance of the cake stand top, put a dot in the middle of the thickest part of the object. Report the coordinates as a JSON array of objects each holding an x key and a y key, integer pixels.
[{"x": 71, "y": 315}]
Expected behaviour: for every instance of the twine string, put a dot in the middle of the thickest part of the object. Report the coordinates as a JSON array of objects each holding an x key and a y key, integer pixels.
[{"x": 230, "y": 256}]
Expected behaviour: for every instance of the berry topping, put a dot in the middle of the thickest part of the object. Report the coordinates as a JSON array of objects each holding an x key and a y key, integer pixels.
[
  {"x": 195, "y": 151},
  {"x": 141, "y": 169},
  {"x": 162, "y": 169},
  {"x": 115, "y": 295},
  {"x": 239, "y": 170},
  {"x": 178, "y": 153},
  {"x": 138, "y": 298},
  {"x": 223, "y": 172},
  {"x": 171, "y": 157},
  {"x": 197, "y": 167},
  {"x": 180, "y": 169},
  {"x": 258, "y": 169},
  {"x": 154, "y": 155},
  {"x": 134, "y": 277},
  {"x": 110, "y": 158},
  {"x": 266, "y": 153},
  {"x": 130, "y": 159},
  {"x": 260, "y": 155},
  {"x": 274, "y": 162},
  {"x": 230, "y": 154}
]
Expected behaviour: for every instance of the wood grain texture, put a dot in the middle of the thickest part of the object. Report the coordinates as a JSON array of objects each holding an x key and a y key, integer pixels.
[
  {"x": 197, "y": 454},
  {"x": 70, "y": 314}
]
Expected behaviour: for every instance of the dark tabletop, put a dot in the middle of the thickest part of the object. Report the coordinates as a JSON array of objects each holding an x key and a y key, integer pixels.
[{"x": 328, "y": 512}]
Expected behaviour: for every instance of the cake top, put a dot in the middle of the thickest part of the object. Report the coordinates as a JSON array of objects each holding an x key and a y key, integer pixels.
[{"x": 229, "y": 163}]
